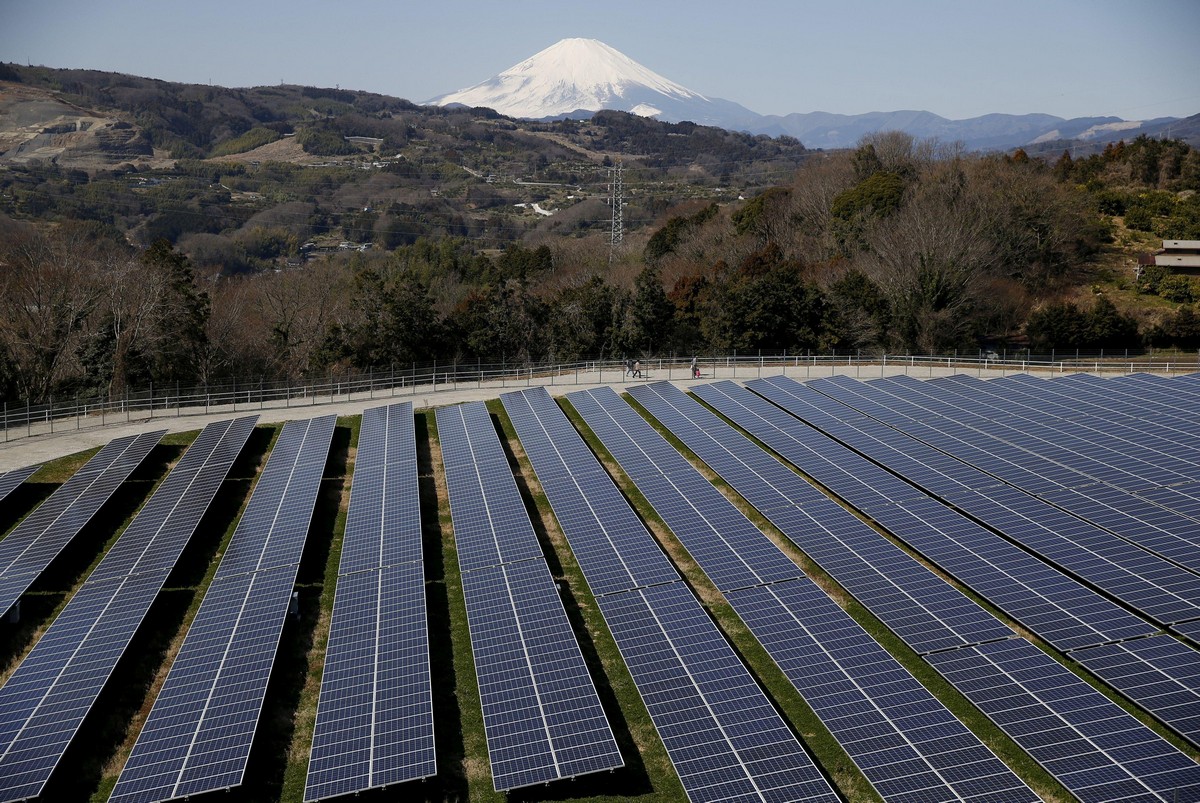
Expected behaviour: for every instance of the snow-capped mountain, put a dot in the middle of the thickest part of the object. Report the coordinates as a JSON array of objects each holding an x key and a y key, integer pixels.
[{"x": 575, "y": 77}]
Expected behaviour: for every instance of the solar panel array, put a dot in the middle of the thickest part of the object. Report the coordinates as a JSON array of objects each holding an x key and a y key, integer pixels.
[
  {"x": 921, "y": 608},
  {"x": 1090, "y": 744},
  {"x": 43, "y": 534},
  {"x": 374, "y": 723},
  {"x": 908, "y": 745},
  {"x": 1160, "y": 590},
  {"x": 725, "y": 739},
  {"x": 541, "y": 713},
  {"x": 9, "y": 480},
  {"x": 1083, "y": 741},
  {"x": 198, "y": 735},
  {"x": 1052, "y": 604},
  {"x": 45, "y": 700}
]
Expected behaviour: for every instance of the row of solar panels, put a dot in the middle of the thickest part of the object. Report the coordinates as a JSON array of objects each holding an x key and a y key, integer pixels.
[{"x": 902, "y": 738}]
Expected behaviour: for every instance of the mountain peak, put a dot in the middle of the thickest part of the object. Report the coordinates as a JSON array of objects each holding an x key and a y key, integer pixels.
[{"x": 572, "y": 75}]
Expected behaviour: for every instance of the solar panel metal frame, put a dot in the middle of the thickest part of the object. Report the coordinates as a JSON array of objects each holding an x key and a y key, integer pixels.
[
  {"x": 374, "y": 724},
  {"x": 45, "y": 700},
  {"x": 198, "y": 734}
]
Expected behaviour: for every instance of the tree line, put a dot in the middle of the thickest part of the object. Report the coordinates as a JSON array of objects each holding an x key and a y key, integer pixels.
[{"x": 898, "y": 246}]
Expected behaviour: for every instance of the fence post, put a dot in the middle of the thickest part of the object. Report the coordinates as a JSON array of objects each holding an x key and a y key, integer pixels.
[
  {"x": 151, "y": 401},
  {"x": 6, "y": 422}
]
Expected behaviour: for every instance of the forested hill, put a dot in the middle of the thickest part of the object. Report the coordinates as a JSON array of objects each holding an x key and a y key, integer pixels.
[{"x": 164, "y": 233}]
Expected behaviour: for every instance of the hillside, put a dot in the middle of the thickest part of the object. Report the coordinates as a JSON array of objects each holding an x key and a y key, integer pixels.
[{"x": 172, "y": 234}]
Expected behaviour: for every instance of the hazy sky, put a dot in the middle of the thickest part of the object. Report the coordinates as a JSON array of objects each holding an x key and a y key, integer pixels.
[{"x": 1134, "y": 59}]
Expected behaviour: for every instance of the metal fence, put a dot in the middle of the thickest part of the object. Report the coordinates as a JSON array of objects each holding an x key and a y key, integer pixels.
[{"x": 20, "y": 421}]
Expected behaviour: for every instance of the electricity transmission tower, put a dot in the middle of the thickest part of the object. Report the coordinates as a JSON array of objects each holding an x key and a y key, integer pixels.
[{"x": 616, "y": 197}]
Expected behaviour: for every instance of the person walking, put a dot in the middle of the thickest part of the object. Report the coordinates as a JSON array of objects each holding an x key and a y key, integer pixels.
[
  {"x": 637, "y": 369},
  {"x": 695, "y": 369}
]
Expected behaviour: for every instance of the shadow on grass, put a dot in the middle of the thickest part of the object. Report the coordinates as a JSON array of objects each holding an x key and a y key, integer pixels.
[{"x": 632, "y": 779}]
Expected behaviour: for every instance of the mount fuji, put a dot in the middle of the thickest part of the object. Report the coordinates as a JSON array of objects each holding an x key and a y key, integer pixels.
[{"x": 576, "y": 77}]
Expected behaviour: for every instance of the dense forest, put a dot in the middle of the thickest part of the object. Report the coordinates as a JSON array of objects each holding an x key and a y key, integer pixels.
[{"x": 211, "y": 268}]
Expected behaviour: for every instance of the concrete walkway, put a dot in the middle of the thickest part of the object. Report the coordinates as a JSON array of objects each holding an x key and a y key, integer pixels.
[{"x": 75, "y": 435}]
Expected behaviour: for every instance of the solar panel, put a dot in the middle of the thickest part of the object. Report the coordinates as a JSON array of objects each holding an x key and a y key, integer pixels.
[
  {"x": 374, "y": 718},
  {"x": 1144, "y": 582},
  {"x": 1052, "y": 604},
  {"x": 542, "y": 716},
  {"x": 1136, "y": 519},
  {"x": 41, "y": 536},
  {"x": 9, "y": 480},
  {"x": 374, "y": 723},
  {"x": 725, "y": 739},
  {"x": 909, "y": 746},
  {"x": 1088, "y": 743},
  {"x": 921, "y": 608},
  {"x": 197, "y": 737},
  {"x": 1159, "y": 673},
  {"x": 541, "y": 713},
  {"x": 613, "y": 548},
  {"x": 45, "y": 700},
  {"x": 906, "y": 742}
]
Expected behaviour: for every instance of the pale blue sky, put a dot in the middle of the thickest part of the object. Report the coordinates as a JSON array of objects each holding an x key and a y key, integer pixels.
[{"x": 1135, "y": 59}]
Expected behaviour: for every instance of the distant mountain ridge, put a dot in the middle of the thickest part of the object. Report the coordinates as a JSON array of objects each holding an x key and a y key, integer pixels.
[{"x": 575, "y": 78}]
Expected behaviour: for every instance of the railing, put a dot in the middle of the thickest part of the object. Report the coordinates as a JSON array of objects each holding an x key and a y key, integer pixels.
[{"x": 21, "y": 421}]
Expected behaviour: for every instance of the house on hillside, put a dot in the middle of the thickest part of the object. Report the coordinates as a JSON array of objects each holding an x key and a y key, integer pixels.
[{"x": 1181, "y": 256}]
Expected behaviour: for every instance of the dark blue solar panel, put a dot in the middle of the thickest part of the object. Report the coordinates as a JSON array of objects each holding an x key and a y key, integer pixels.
[
  {"x": 1144, "y": 582},
  {"x": 491, "y": 525},
  {"x": 41, "y": 536},
  {"x": 375, "y": 715},
  {"x": 909, "y": 746},
  {"x": 542, "y": 717},
  {"x": 613, "y": 548},
  {"x": 1135, "y": 518},
  {"x": 723, "y": 736},
  {"x": 728, "y": 547},
  {"x": 920, "y": 607},
  {"x": 47, "y": 697},
  {"x": 383, "y": 523},
  {"x": 9, "y": 480},
  {"x": 273, "y": 529},
  {"x": 1159, "y": 673},
  {"x": 541, "y": 714},
  {"x": 374, "y": 723},
  {"x": 726, "y": 740},
  {"x": 197, "y": 737},
  {"x": 906, "y": 742},
  {"x": 1189, "y": 629},
  {"x": 1088, "y": 743}
]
